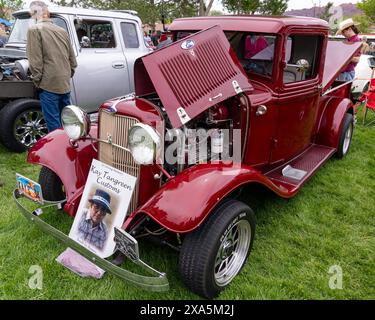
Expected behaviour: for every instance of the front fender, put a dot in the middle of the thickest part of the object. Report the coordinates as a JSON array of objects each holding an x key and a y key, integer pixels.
[
  {"x": 332, "y": 120},
  {"x": 184, "y": 202},
  {"x": 70, "y": 164}
]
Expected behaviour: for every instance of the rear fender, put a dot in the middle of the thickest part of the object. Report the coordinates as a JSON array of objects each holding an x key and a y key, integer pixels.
[
  {"x": 331, "y": 121},
  {"x": 70, "y": 164},
  {"x": 185, "y": 201}
]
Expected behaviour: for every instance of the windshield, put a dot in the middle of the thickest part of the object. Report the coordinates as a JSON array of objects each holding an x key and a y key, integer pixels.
[
  {"x": 255, "y": 51},
  {"x": 19, "y": 31}
]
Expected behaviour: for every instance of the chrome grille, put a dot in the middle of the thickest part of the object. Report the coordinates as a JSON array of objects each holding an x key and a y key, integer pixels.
[{"x": 117, "y": 127}]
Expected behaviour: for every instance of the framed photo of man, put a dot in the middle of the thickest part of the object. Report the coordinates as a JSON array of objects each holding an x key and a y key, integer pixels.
[{"x": 104, "y": 204}]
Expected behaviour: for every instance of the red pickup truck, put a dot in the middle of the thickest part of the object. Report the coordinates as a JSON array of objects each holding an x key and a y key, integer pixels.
[{"x": 233, "y": 102}]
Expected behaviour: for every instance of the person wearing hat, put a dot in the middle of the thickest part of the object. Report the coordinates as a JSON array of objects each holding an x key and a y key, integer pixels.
[
  {"x": 348, "y": 29},
  {"x": 92, "y": 229},
  {"x": 52, "y": 63}
]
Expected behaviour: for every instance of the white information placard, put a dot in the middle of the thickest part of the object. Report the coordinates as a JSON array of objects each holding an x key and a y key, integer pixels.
[{"x": 104, "y": 204}]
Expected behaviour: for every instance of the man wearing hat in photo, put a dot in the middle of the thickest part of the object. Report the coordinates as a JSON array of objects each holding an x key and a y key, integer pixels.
[
  {"x": 92, "y": 228},
  {"x": 348, "y": 29}
]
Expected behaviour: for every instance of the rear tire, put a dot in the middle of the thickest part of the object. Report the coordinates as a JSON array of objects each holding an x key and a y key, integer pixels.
[
  {"x": 346, "y": 135},
  {"x": 21, "y": 124},
  {"x": 52, "y": 187},
  {"x": 213, "y": 254}
]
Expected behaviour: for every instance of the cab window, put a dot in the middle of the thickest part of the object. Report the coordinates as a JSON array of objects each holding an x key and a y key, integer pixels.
[
  {"x": 129, "y": 34},
  {"x": 95, "y": 34},
  {"x": 302, "y": 57},
  {"x": 254, "y": 50}
]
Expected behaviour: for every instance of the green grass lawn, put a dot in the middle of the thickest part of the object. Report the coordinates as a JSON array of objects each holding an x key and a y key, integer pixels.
[{"x": 330, "y": 222}]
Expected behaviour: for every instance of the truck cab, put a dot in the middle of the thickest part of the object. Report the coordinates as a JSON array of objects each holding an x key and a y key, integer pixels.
[{"x": 289, "y": 70}]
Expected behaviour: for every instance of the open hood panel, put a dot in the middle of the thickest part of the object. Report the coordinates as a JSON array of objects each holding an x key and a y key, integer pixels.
[
  {"x": 193, "y": 74},
  {"x": 338, "y": 55}
]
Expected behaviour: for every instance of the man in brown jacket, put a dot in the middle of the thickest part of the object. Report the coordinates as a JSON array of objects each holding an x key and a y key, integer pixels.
[{"x": 52, "y": 63}]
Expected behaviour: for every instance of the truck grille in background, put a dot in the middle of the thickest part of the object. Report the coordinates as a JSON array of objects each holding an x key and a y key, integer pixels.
[
  {"x": 196, "y": 78},
  {"x": 118, "y": 127}
]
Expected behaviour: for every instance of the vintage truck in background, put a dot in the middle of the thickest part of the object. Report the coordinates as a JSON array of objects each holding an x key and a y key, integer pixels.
[
  {"x": 281, "y": 98},
  {"x": 106, "y": 44}
]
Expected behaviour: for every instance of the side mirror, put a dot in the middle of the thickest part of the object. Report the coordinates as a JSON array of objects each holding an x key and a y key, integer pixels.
[
  {"x": 85, "y": 42},
  {"x": 302, "y": 65}
]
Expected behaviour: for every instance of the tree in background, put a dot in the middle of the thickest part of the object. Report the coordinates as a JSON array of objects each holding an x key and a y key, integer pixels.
[
  {"x": 242, "y": 6},
  {"x": 268, "y": 7},
  {"x": 215, "y": 13},
  {"x": 364, "y": 23},
  {"x": 327, "y": 13},
  {"x": 8, "y": 6},
  {"x": 204, "y": 9},
  {"x": 149, "y": 11},
  {"x": 274, "y": 7},
  {"x": 368, "y": 7}
]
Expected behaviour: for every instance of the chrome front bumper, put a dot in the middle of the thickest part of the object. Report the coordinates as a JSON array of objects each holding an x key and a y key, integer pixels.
[{"x": 159, "y": 282}]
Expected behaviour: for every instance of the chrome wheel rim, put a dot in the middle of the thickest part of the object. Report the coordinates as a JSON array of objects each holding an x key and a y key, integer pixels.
[
  {"x": 29, "y": 127},
  {"x": 347, "y": 139},
  {"x": 232, "y": 252}
]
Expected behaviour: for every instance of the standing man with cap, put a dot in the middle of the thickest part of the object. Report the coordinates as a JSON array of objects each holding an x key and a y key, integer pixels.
[
  {"x": 52, "y": 63},
  {"x": 92, "y": 229},
  {"x": 348, "y": 29}
]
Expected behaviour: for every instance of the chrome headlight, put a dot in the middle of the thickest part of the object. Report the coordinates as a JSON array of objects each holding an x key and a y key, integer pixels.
[
  {"x": 75, "y": 121},
  {"x": 144, "y": 143}
]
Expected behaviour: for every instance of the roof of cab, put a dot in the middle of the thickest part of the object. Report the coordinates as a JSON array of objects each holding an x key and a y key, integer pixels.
[
  {"x": 253, "y": 23},
  {"x": 86, "y": 12}
]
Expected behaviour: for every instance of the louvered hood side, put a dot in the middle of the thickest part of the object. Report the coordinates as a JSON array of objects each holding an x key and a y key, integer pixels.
[{"x": 194, "y": 74}]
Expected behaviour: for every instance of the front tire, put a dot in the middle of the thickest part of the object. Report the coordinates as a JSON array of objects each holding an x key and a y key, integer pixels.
[
  {"x": 213, "y": 254},
  {"x": 52, "y": 187},
  {"x": 346, "y": 135},
  {"x": 21, "y": 124}
]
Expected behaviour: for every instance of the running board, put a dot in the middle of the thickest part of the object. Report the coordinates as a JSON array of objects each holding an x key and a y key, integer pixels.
[{"x": 293, "y": 174}]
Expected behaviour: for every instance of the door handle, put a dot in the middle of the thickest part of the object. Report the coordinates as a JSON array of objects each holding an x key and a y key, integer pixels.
[{"x": 118, "y": 65}]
